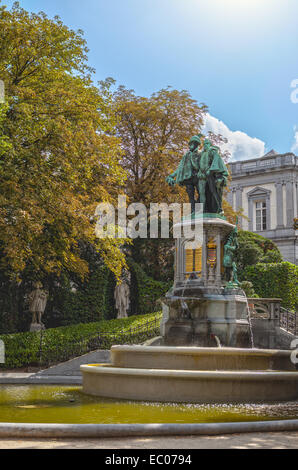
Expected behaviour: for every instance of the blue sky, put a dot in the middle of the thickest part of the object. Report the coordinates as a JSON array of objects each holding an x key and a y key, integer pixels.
[{"x": 237, "y": 56}]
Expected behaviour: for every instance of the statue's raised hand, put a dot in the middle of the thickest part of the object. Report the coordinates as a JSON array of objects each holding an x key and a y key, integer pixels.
[
  {"x": 170, "y": 180},
  {"x": 220, "y": 182}
]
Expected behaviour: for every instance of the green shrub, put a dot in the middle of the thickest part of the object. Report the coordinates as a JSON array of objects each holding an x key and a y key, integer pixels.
[
  {"x": 248, "y": 288},
  {"x": 60, "y": 344},
  {"x": 253, "y": 249},
  {"x": 272, "y": 256},
  {"x": 277, "y": 280},
  {"x": 249, "y": 253},
  {"x": 264, "y": 243}
]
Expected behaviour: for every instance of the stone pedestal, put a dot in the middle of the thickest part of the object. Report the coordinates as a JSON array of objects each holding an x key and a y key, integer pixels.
[
  {"x": 207, "y": 321},
  {"x": 37, "y": 327},
  {"x": 202, "y": 310}
]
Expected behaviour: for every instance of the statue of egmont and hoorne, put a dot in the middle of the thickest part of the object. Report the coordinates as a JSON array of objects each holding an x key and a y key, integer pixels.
[{"x": 204, "y": 173}]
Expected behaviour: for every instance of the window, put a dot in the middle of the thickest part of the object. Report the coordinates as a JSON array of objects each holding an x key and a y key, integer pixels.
[
  {"x": 267, "y": 163},
  {"x": 248, "y": 166},
  {"x": 261, "y": 222},
  {"x": 259, "y": 209}
]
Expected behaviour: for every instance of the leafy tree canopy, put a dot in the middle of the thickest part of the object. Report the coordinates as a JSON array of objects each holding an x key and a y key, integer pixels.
[
  {"x": 154, "y": 133},
  {"x": 58, "y": 157}
]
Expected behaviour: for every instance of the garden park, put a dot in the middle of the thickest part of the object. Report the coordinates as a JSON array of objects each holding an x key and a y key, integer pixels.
[{"x": 134, "y": 324}]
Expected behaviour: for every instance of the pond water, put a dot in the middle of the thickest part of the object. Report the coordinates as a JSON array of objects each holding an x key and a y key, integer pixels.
[{"x": 67, "y": 404}]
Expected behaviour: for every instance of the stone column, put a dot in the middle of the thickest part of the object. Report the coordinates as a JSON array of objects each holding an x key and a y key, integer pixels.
[
  {"x": 279, "y": 205},
  {"x": 182, "y": 260},
  {"x": 218, "y": 259},
  {"x": 239, "y": 191},
  {"x": 290, "y": 202},
  {"x": 234, "y": 199},
  {"x": 204, "y": 257},
  {"x": 296, "y": 215},
  {"x": 250, "y": 214},
  {"x": 229, "y": 196},
  {"x": 179, "y": 260},
  {"x": 268, "y": 212}
]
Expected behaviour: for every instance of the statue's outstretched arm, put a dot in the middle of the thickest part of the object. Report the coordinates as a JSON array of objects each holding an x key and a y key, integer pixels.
[
  {"x": 171, "y": 179},
  {"x": 173, "y": 175}
]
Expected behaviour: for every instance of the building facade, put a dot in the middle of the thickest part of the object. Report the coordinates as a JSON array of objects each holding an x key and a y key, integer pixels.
[{"x": 267, "y": 190}]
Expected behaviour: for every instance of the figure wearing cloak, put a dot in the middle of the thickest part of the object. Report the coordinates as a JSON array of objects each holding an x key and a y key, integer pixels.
[
  {"x": 186, "y": 173},
  {"x": 217, "y": 176},
  {"x": 204, "y": 172}
]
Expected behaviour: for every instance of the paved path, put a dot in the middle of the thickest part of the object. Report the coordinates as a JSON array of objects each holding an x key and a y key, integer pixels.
[
  {"x": 283, "y": 440},
  {"x": 67, "y": 373},
  {"x": 72, "y": 367},
  {"x": 16, "y": 378}
]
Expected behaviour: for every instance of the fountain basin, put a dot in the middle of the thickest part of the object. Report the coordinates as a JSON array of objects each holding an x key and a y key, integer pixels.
[
  {"x": 139, "y": 373},
  {"x": 190, "y": 386},
  {"x": 195, "y": 358}
]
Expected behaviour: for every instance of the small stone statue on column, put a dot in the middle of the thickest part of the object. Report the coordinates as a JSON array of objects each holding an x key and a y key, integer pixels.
[
  {"x": 37, "y": 304},
  {"x": 121, "y": 296}
]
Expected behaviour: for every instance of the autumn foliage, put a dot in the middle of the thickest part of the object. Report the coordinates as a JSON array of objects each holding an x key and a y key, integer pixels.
[{"x": 58, "y": 159}]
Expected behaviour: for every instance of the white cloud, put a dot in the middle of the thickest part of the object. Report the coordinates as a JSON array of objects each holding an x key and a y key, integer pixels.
[
  {"x": 294, "y": 148},
  {"x": 240, "y": 145}
]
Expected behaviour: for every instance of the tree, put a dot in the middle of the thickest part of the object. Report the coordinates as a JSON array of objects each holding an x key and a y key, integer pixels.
[
  {"x": 4, "y": 142},
  {"x": 58, "y": 157},
  {"x": 154, "y": 133},
  {"x": 253, "y": 249}
]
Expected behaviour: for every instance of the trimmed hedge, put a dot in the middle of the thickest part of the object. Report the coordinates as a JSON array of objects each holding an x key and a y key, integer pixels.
[
  {"x": 73, "y": 301},
  {"x": 264, "y": 243},
  {"x": 23, "y": 349},
  {"x": 279, "y": 280}
]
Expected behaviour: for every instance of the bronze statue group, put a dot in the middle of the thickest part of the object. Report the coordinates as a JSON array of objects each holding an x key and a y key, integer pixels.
[{"x": 205, "y": 175}]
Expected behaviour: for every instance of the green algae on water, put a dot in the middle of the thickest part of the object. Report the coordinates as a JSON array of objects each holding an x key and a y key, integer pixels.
[{"x": 67, "y": 404}]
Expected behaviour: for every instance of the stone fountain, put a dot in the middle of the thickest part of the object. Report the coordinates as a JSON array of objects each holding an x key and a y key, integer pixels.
[
  {"x": 206, "y": 353},
  {"x": 204, "y": 308}
]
